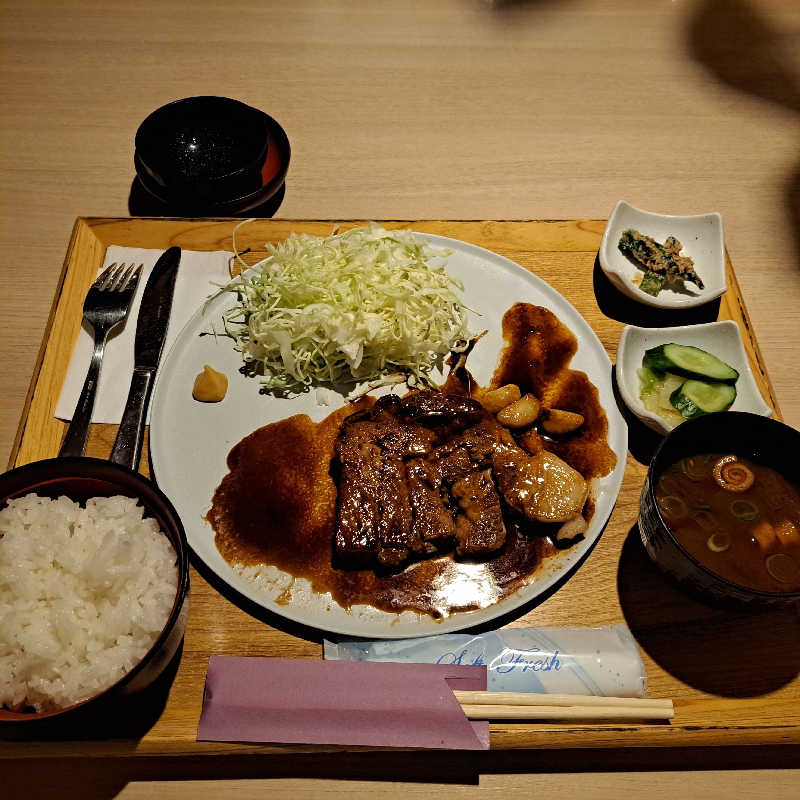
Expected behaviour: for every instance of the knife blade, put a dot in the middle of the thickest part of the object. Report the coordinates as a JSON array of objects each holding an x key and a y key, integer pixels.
[{"x": 151, "y": 331}]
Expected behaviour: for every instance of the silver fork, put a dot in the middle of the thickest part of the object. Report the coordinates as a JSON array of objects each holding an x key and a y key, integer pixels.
[{"x": 106, "y": 306}]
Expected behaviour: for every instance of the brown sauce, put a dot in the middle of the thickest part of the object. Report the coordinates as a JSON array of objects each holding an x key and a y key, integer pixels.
[
  {"x": 539, "y": 348},
  {"x": 277, "y": 504},
  {"x": 748, "y": 533}
]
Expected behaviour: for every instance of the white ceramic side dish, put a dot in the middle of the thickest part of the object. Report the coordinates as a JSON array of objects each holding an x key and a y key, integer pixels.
[
  {"x": 722, "y": 339},
  {"x": 702, "y": 240}
]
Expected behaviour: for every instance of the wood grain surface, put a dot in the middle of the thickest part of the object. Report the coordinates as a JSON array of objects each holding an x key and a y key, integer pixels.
[
  {"x": 724, "y": 693},
  {"x": 776, "y": 785},
  {"x": 455, "y": 109}
]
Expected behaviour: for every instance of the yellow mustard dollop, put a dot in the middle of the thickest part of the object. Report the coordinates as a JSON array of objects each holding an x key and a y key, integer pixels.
[{"x": 210, "y": 386}]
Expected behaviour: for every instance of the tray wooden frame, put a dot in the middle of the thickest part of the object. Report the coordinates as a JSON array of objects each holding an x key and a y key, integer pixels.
[{"x": 743, "y": 707}]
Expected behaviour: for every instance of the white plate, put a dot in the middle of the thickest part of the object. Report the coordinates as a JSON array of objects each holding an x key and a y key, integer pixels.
[
  {"x": 701, "y": 237},
  {"x": 722, "y": 339},
  {"x": 190, "y": 441}
]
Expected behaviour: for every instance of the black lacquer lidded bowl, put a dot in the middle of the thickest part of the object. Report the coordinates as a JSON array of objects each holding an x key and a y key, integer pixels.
[{"x": 210, "y": 156}]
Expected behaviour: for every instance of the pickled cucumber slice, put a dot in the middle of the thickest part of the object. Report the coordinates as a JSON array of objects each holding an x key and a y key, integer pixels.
[
  {"x": 691, "y": 362},
  {"x": 695, "y": 398}
]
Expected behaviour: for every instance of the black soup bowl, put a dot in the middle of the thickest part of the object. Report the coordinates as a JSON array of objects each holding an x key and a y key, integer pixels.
[
  {"x": 760, "y": 440},
  {"x": 80, "y": 478}
]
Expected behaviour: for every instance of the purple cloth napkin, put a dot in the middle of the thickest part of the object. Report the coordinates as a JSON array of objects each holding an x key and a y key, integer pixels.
[{"x": 340, "y": 702}]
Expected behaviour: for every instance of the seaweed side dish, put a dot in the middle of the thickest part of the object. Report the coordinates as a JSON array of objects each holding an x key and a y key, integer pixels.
[{"x": 662, "y": 264}]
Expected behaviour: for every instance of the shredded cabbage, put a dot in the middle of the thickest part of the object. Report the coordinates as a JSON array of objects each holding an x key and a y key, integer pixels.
[{"x": 345, "y": 309}]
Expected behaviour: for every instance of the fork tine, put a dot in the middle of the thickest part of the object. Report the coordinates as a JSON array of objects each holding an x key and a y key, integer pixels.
[
  {"x": 111, "y": 278},
  {"x": 102, "y": 279},
  {"x": 118, "y": 279},
  {"x": 130, "y": 278}
]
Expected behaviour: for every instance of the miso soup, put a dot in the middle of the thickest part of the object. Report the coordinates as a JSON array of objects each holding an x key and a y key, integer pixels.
[{"x": 739, "y": 519}]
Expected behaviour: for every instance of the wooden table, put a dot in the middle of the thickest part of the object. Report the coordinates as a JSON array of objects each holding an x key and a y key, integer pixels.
[{"x": 451, "y": 109}]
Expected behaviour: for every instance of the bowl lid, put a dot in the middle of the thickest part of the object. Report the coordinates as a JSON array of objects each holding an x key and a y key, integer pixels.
[{"x": 204, "y": 145}]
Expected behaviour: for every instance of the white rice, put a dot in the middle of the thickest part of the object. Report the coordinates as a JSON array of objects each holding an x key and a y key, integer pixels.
[{"x": 84, "y": 593}]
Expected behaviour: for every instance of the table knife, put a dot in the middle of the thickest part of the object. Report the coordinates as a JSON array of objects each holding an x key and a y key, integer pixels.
[{"x": 151, "y": 331}]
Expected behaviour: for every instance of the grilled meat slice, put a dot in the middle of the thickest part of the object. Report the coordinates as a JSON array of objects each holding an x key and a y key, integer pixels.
[
  {"x": 437, "y": 410},
  {"x": 373, "y": 520},
  {"x": 432, "y": 516},
  {"x": 394, "y": 434},
  {"x": 452, "y": 466},
  {"x": 471, "y": 450},
  {"x": 480, "y": 530},
  {"x": 411, "y": 426},
  {"x": 357, "y": 512},
  {"x": 396, "y": 539}
]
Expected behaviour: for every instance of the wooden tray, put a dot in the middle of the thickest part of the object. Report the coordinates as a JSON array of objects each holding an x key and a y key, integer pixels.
[{"x": 734, "y": 677}]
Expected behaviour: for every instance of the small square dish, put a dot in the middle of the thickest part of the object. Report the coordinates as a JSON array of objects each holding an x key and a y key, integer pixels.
[
  {"x": 721, "y": 339},
  {"x": 701, "y": 239}
]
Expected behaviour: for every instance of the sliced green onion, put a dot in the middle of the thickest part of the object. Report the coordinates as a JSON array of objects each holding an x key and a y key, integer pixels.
[
  {"x": 673, "y": 507},
  {"x": 718, "y": 542},
  {"x": 783, "y": 568},
  {"x": 744, "y": 510}
]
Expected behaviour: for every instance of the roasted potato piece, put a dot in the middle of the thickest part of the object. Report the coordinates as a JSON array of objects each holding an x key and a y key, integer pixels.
[
  {"x": 559, "y": 422},
  {"x": 493, "y": 400},
  {"x": 520, "y": 413}
]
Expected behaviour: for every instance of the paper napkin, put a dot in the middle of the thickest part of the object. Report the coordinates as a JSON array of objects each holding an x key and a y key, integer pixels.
[{"x": 198, "y": 275}]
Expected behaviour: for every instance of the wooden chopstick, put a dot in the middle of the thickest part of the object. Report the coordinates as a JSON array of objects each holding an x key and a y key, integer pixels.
[
  {"x": 533, "y": 699},
  {"x": 565, "y": 712},
  {"x": 524, "y": 705}
]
